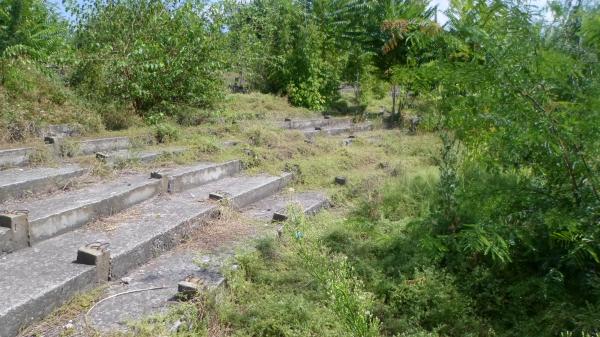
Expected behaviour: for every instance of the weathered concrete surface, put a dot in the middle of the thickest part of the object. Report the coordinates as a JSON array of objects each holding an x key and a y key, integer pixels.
[
  {"x": 244, "y": 192},
  {"x": 308, "y": 202},
  {"x": 35, "y": 281},
  {"x": 63, "y": 212},
  {"x": 161, "y": 228},
  {"x": 17, "y": 236},
  {"x": 337, "y": 130},
  {"x": 86, "y": 147},
  {"x": 124, "y": 156},
  {"x": 59, "y": 130},
  {"x": 184, "y": 178},
  {"x": 6, "y": 240},
  {"x": 316, "y": 123},
  {"x": 18, "y": 183},
  {"x": 165, "y": 271},
  {"x": 171, "y": 268},
  {"x": 38, "y": 279},
  {"x": 15, "y": 157}
]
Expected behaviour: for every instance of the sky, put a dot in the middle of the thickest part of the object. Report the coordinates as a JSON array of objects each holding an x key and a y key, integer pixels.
[{"x": 442, "y": 7}]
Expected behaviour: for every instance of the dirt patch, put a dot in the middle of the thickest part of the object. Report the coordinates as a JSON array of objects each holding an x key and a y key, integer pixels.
[{"x": 229, "y": 229}]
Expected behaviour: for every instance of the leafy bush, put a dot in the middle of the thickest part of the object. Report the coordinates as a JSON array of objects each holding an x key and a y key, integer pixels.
[
  {"x": 147, "y": 53},
  {"x": 31, "y": 31},
  {"x": 117, "y": 118},
  {"x": 165, "y": 133},
  {"x": 287, "y": 50}
]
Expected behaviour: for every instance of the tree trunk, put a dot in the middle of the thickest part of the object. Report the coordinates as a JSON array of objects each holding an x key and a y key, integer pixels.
[
  {"x": 399, "y": 112},
  {"x": 357, "y": 87},
  {"x": 394, "y": 97}
]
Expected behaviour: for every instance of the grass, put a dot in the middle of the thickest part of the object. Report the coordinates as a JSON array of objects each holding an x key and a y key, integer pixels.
[
  {"x": 55, "y": 323},
  {"x": 294, "y": 286},
  {"x": 30, "y": 99},
  {"x": 256, "y": 105}
]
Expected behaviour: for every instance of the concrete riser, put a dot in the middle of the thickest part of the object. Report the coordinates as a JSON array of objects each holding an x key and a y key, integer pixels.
[
  {"x": 22, "y": 316},
  {"x": 189, "y": 180},
  {"x": 127, "y": 257},
  {"x": 338, "y": 131},
  {"x": 102, "y": 145},
  {"x": 61, "y": 222},
  {"x": 261, "y": 192},
  {"x": 15, "y": 157},
  {"x": 315, "y": 123},
  {"x": 46, "y": 228},
  {"x": 20, "y": 156},
  {"x": 122, "y": 264},
  {"x": 37, "y": 186}
]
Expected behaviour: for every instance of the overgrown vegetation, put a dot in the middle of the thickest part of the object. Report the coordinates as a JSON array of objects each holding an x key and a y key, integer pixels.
[{"x": 502, "y": 238}]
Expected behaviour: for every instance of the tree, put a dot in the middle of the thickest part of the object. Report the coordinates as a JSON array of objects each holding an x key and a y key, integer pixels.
[
  {"x": 149, "y": 54},
  {"x": 29, "y": 29}
]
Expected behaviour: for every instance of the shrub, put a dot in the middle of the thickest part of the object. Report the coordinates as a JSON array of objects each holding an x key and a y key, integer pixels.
[
  {"x": 148, "y": 53},
  {"x": 165, "y": 133},
  {"x": 116, "y": 118}
]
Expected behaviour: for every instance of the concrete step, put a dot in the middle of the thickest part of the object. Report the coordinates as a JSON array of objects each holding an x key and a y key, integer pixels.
[
  {"x": 300, "y": 124},
  {"x": 63, "y": 212},
  {"x": 91, "y": 146},
  {"x": 183, "y": 178},
  {"x": 168, "y": 270},
  {"x": 276, "y": 207},
  {"x": 15, "y": 157},
  {"x": 116, "y": 158},
  {"x": 36, "y": 280},
  {"x": 66, "y": 211},
  {"x": 57, "y": 145},
  {"x": 59, "y": 130},
  {"x": 18, "y": 183},
  {"x": 337, "y": 130}
]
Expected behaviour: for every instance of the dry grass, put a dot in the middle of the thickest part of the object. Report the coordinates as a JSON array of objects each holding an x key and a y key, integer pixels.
[
  {"x": 263, "y": 105},
  {"x": 66, "y": 320},
  {"x": 263, "y": 147},
  {"x": 229, "y": 229},
  {"x": 29, "y": 99}
]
